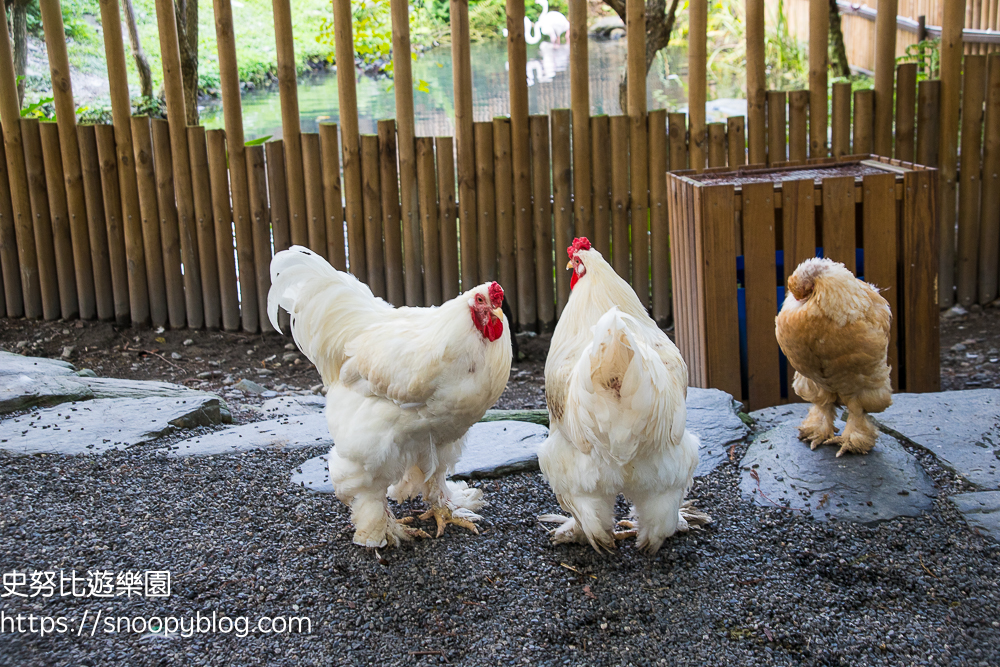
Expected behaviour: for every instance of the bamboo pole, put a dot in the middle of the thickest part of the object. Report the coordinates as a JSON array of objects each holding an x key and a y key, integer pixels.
[
  {"x": 798, "y": 141},
  {"x": 736, "y": 141},
  {"x": 291, "y": 129},
  {"x": 951, "y": 67},
  {"x": 506, "y": 246},
  {"x": 658, "y": 221},
  {"x": 198, "y": 151},
  {"x": 562, "y": 201},
  {"x": 638, "y": 149},
  {"x": 232, "y": 109},
  {"x": 756, "y": 80},
  {"x": 330, "y": 154},
  {"x": 116, "y": 230},
  {"x": 121, "y": 110},
  {"x": 371, "y": 193},
  {"x": 906, "y": 111},
  {"x": 697, "y": 76},
  {"x": 278, "y": 197},
  {"x": 579, "y": 84},
  {"x": 41, "y": 218},
  {"x": 403, "y": 87},
  {"x": 716, "y": 147},
  {"x": 841, "y": 121},
  {"x": 885, "y": 74},
  {"x": 461, "y": 68},
  {"x": 142, "y": 142},
  {"x": 486, "y": 200},
  {"x": 776, "y": 126},
  {"x": 13, "y": 302},
  {"x": 541, "y": 190},
  {"x": 600, "y": 135},
  {"x": 863, "y": 122},
  {"x": 351, "y": 139},
  {"x": 427, "y": 188},
  {"x": 96, "y": 230},
  {"x": 989, "y": 221},
  {"x": 819, "y": 31},
  {"x": 619, "y": 196},
  {"x": 391, "y": 213},
  {"x": 173, "y": 87},
  {"x": 62, "y": 242},
  {"x": 170, "y": 238},
  {"x": 521, "y": 165},
  {"x": 973, "y": 96},
  {"x": 223, "y": 214},
  {"x": 928, "y": 122},
  {"x": 10, "y": 116},
  {"x": 448, "y": 239},
  {"x": 260, "y": 214},
  {"x": 315, "y": 206}
]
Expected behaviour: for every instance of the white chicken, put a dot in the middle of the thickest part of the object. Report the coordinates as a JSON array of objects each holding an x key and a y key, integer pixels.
[
  {"x": 403, "y": 387},
  {"x": 615, "y": 387}
]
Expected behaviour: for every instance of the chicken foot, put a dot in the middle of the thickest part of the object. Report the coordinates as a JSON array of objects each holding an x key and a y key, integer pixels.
[
  {"x": 443, "y": 515},
  {"x": 859, "y": 435},
  {"x": 817, "y": 428}
]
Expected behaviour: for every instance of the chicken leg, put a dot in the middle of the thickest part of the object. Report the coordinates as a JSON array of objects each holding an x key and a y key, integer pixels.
[{"x": 859, "y": 435}]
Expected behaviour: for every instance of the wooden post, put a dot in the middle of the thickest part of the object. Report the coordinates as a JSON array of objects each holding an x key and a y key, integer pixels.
[
  {"x": 330, "y": 153},
  {"x": 798, "y": 141},
  {"x": 507, "y": 265},
  {"x": 579, "y": 87},
  {"x": 223, "y": 214},
  {"x": 447, "y": 232},
  {"x": 116, "y": 231},
  {"x": 761, "y": 297},
  {"x": 62, "y": 242},
  {"x": 989, "y": 221},
  {"x": 169, "y": 231},
  {"x": 863, "y": 124},
  {"x": 121, "y": 110},
  {"x": 204, "y": 214},
  {"x": 756, "y": 80},
  {"x": 521, "y": 164},
  {"x": 885, "y": 74},
  {"x": 600, "y": 135},
  {"x": 973, "y": 94},
  {"x": 13, "y": 302},
  {"x": 486, "y": 200},
  {"x": 142, "y": 142},
  {"x": 638, "y": 148},
  {"x": 403, "y": 87},
  {"x": 906, "y": 111},
  {"x": 391, "y": 213},
  {"x": 461, "y": 67},
  {"x": 291, "y": 129},
  {"x": 951, "y": 69},
  {"x": 41, "y": 219},
  {"x": 173, "y": 87},
  {"x": 229, "y": 78},
  {"x": 928, "y": 122},
  {"x": 351, "y": 139},
  {"x": 278, "y": 197},
  {"x": 10, "y": 117},
  {"x": 697, "y": 76},
  {"x": 776, "y": 126},
  {"x": 716, "y": 148},
  {"x": 677, "y": 136},
  {"x": 315, "y": 209},
  {"x": 736, "y": 141},
  {"x": 96, "y": 231},
  {"x": 427, "y": 188},
  {"x": 841, "y": 121},
  {"x": 819, "y": 31},
  {"x": 371, "y": 192},
  {"x": 658, "y": 222},
  {"x": 260, "y": 214},
  {"x": 562, "y": 202},
  {"x": 541, "y": 190},
  {"x": 619, "y": 196}
]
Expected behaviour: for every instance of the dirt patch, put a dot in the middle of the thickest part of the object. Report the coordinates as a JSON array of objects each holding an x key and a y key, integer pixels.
[{"x": 970, "y": 349}]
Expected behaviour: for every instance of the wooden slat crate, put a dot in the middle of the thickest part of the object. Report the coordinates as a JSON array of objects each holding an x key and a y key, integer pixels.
[{"x": 737, "y": 235}]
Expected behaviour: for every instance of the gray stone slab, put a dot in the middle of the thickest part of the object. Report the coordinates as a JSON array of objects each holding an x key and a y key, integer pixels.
[
  {"x": 981, "y": 511},
  {"x": 712, "y": 415},
  {"x": 92, "y": 427},
  {"x": 961, "y": 428},
  {"x": 15, "y": 364},
  {"x": 494, "y": 449},
  {"x": 886, "y": 483},
  {"x": 283, "y": 433},
  {"x": 313, "y": 475},
  {"x": 21, "y": 391},
  {"x": 293, "y": 405}
]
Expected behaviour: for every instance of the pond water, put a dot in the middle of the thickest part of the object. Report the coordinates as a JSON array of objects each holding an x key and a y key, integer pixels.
[{"x": 548, "y": 88}]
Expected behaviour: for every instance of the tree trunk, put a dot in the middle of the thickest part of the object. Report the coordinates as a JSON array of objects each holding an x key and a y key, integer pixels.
[
  {"x": 187, "y": 35},
  {"x": 141, "y": 62},
  {"x": 19, "y": 24},
  {"x": 838, "y": 53},
  {"x": 659, "y": 24}
]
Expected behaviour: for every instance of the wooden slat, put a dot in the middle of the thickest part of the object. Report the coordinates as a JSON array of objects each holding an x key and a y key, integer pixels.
[
  {"x": 96, "y": 230},
  {"x": 659, "y": 238},
  {"x": 819, "y": 35},
  {"x": 906, "y": 112},
  {"x": 928, "y": 122},
  {"x": 521, "y": 164},
  {"x": 142, "y": 144},
  {"x": 600, "y": 132},
  {"x": 312, "y": 173},
  {"x": 198, "y": 152},
  {"x": 839, "y": 237},
  {"x": 884, "y": 66},
  {"x": 864, "y": 101},
  {"x": 62, "y": 242},
  {"x": 113, "y": 219},
  {"x": 260, "y": 216},
  {"x": 541, "y": 190},
  {"x": 391, "y": 213},
  {"x": 798, "y": 138},
  {"x": 486, "y": 201},
  {"x": 562, "y": 202},
  {"x": 170, "y": 240},
  {"x": 293, "y": 216},
  {"x": 333, "y": 202},
  {"x": 447, "y": 225},
  {"x": 507, "y": 266},
  {"x": 13, "y": 303},
  {"x": 776, "y": 126},
  {"x": 841, "y": 121},
  {"x": 464, "y": 141},
  {"x": 716, "y": 145},
  {"x": 880, "y": 235},
  {"x": 403, "y": 88},
  {"x": 427, "y": 187},
  {"x": 761, "y": 297},
  {"x": 42, "y": 223},
  {"x": 950, "y": 66},
  {"x": 989, "y": 221},
  {"x": 619, "y": 196},
  {"x": 736, "y": 140},
  {"x": 371, "y": 193},
  {"x": 920, "y": 316},
  {"x": 579, "y": 72},
  {"x": 223, "y": 214},
  {"x": 277, "y": 192},
  {"x": 677, "y": 136},
  {"x": 798, "y": 220},
  {"x": 756, "y": 79},
  {"x": 967, "y": 250}
]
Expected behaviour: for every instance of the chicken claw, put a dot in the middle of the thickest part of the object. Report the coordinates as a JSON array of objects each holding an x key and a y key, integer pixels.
[
  {"x": 443, "y": 516},
  {"x": 631, "y": 530},
  {"x": 412, "y": 532}
]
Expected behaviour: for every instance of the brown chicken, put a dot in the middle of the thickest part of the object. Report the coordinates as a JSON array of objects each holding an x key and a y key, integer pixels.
[{"x": 834, "y": 329}]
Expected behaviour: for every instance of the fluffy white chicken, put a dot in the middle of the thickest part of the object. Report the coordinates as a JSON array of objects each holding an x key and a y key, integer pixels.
[
  {"x": 615, "y": 387},
  {"x": 403, "y": 387}
]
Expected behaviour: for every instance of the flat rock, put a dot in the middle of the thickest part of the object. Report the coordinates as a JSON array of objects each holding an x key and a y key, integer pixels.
[
  {"x": 20, "y": 391},
  {"x": 981, "y": 510},
  {"x": 886, "y": 483},
  {"x": 15, "y": 364},
  {"x": 313, "y": 475},
  {"x": 92, "y": 427},
  {"x": 494, "y": 449},
  {"x": 713, "y": 416},
  {"x": 283, "y": 433},
  {"x": 287, "y": 406},
  {"x": 961, "y": 428}
]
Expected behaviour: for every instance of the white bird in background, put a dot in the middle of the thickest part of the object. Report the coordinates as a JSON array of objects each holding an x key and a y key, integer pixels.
[{"x": 551, "y": 24}]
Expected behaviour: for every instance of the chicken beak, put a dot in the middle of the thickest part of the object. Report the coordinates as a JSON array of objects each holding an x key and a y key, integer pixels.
[
  {"x": 569, "y": 264},
  {"x": 498, "y": 312}
]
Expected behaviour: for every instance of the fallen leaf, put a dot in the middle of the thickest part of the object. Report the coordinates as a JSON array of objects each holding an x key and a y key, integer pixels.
[
  {"x": 161, "y": 339},
  {"x": 732, "y": 450},
  {"x": 589, "y": 593}
]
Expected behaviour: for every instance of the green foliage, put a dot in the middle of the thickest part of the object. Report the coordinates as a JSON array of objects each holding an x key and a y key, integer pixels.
[
  {"x": 43, "y": 108},
  {"x": 372, "y": 30},
  {"x": 259, "y": 141},
  {"x": 927, "y": 55}
]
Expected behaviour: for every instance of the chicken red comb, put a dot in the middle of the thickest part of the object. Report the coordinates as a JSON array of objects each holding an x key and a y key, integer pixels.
[
  {"x": 496, "y": 294},
  {"x": 582, "y": 243}
]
